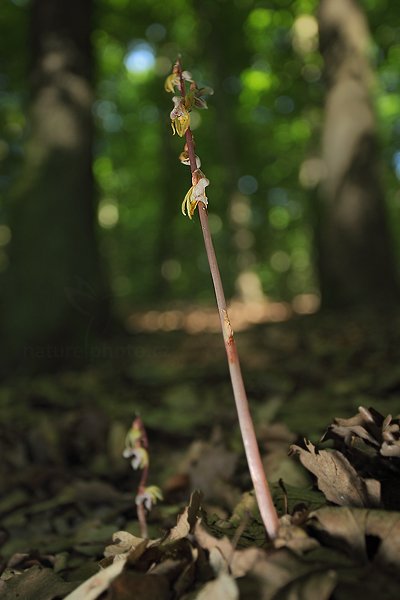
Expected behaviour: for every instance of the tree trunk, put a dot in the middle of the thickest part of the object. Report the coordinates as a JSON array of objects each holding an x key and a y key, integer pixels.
[
  {"x": 55, "y": 291},
  {"x": 225, "y": 52},
  {"x": 355, "y": 254}
]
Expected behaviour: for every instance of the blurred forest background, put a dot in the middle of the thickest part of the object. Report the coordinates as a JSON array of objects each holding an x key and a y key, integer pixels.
[
  {"x": 106, "y": 304},
  {"x": 300, "y": 143}
]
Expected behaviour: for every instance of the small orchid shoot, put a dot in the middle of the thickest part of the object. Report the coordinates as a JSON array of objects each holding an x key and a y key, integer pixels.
[
  {"x": 187, "y": 95},
  {"x": 136, "y": 448}
]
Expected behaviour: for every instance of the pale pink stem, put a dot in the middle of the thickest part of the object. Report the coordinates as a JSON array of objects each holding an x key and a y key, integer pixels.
[{"x": 261, "y": 488}]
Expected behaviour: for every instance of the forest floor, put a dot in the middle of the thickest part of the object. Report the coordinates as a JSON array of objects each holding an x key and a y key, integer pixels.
[{"x": 65, "y": 488}]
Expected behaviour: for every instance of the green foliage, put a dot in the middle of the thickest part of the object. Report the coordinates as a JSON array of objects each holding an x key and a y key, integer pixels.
[{"x": 259, "y": 139}]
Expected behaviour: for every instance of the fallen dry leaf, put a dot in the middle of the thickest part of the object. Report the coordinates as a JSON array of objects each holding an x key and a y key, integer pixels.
[
  {"x": 378, "y": 432},
  {"x": 209, "y": 467},
  {"x": 124, "y": 542},
  {"x": 140, "y": 586},
  {"x": 187, "y": 520},
  {"x": 336, "y": 478},
  {"x": 98, "y": 583},
  {"x": 287, "y": 576},
  {"x": 353, "y": 529},
  {"x": 222, "y": 588},
  {"x": 293, "y": 537},
  {"x": 36, "y": 583},
  {"x": 239, "y": 562}
]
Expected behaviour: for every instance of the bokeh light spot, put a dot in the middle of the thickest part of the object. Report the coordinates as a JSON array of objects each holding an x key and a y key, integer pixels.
[
  {"x": 171, "y": 269},
  {"x": 260, "y": 18},
  {"x": 156, "y": 32},
  {"x": 305, "y": 34},
  {"x": 279, "y": 217},
  {"x": 280, "y": 261},
  {"x": 257, "y": 81},
  {"x": 247, "y": 184},
  {"x": 284, "y": 105},
  {"x": 140, "y": 58},
  {"x": 108, "y": 214},
  {"x": 215, "y": 223}
]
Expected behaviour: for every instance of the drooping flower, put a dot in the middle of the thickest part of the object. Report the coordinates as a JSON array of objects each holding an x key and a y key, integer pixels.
[
  {"x": 149, "y": 496},
  {"x": 184, "y": 158},
  {"x": 133, "y": 436},
  {"x": 173, "y": 80},
  {"x": 195, "y": 194},
  {"x": 180, "y": 118},
  {"x": 139, "y": 455},
  {"x": 195, "y": 96}
]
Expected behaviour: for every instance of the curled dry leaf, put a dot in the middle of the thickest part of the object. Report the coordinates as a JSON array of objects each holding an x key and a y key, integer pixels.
[
  {"x": 336, "y": 478},
  {"x": 187, "y": 520},
  {"x": 239, "y": 562},
  {"x": 368, "y": 430},
  {"x": 123, "y": 543},
  {"x": 293, "y": 537}
]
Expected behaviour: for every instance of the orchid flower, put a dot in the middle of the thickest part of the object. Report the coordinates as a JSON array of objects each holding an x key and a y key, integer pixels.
[
  {"x": 184, "y": 158},
  {"x": 139, "y": 455},
  {"x": 149, "y": 496},
  {"x": 195, "y": 194},
  {"x": 180, "y": 118},
  {"x": 173, "y": 80},
  {"x": 195, "y": 96}
]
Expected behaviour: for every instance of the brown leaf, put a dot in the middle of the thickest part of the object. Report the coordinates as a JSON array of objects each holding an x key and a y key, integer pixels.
[
  {"x": 378, "y": 433},
  {"x": 209, "y": 466},
  {"x": 336, "y": 478},
  {"x": 222, "y": 588},
  {"x": 238, "y": 561},
  {"x": 293, "y": 537},
  {"x": 124, "y": 542},
  {"x": 131, "y": 585},
  {"x": 98, "y": 583},
  {"x": 187, "y": 520},
  {"x": 35, "y": 584},
  {"x": 285, "y": 575},
  {"x": 350, "y": 528}
]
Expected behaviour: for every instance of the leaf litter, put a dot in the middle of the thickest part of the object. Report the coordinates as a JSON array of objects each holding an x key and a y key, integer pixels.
[
  {"x": 327, "y": 547},
  {"x": 321, "y": 551}
]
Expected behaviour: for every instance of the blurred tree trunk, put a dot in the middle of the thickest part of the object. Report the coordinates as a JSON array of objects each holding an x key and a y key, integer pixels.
[
  {"x": 355, "y": 255},
  {"x": 55, "y": 292},
  {"x": 228, "y": 60}
]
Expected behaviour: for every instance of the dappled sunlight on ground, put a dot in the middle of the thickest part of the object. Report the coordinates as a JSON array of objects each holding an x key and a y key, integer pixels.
[{"x": 197, "y": 319}]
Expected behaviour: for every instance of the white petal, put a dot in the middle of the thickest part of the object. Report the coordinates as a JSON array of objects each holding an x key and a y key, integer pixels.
[
  {"x": 135, "y": 462},
  {"x": 198, "y": 190}
]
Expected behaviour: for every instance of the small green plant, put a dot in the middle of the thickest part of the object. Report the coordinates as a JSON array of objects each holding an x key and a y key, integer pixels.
[
  {"x": 136, "y": 448},
  {"x": 187, "y": 95}
]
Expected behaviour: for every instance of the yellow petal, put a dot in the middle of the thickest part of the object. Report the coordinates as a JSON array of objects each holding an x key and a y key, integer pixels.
[
  {"x": 186, "y": 203},
  {"x": 182, "y": 124},
  {"x": 170, "y": 83},
  {"x": 192, "y": 208}
]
